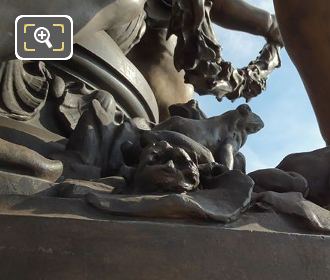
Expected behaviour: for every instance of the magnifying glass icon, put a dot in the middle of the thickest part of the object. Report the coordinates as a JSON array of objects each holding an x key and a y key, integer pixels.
[{"x": 42, "y": 35}]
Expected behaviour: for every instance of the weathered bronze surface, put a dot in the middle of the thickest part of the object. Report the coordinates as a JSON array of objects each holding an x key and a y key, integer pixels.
[
  {"x": 81, "y": 244},
  {"x": 115, "y": 132},
  {"x": 314, "y": 167},
  {"x": 305, "y": 30}
]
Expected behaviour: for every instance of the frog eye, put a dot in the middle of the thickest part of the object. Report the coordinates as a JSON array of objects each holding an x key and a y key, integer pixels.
[{"x": 244, "y": 109}]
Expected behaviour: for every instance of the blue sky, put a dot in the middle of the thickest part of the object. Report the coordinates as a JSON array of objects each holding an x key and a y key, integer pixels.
[{"x": 290, "y": 124}]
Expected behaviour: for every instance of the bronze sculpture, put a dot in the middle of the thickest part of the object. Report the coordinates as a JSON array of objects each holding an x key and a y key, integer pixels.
[
  {"x": 305, "y": 33},
  {"x": 115, "y": 19},
  {"x": 317, "y": 176},
  {"x": 92, "y": 123},
  {"x": 223, "y": 135},
  {"x": 166, "y": 60}
]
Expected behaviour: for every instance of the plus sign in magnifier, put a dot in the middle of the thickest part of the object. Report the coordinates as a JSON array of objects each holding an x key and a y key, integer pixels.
[{"x": 42, "y": 35}]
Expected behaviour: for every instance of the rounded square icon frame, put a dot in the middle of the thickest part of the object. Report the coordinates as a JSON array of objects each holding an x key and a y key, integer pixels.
[{"x": 41, "y": 58}]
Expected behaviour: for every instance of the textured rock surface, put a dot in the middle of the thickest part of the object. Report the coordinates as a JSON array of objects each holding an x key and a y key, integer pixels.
[
  {"x": 20, "y": 184},
  {"x": 229, "y": 198},
  {"x": 314, "y": 166},
  {"x": 79, "y": 188},
  {"x": 295, "y": 204},
  {"x": 273, "y": 179}
]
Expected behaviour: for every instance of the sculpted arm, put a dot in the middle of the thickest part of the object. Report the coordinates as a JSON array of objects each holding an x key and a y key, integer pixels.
[{"x": 239, "y": 15}]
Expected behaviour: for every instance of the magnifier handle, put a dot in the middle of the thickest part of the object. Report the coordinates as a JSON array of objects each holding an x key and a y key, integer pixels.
[{"x": 49, "y": 44}]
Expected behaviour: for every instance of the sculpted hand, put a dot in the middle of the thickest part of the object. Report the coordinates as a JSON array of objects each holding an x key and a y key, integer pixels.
[
  {"x": 274, "y": 34},
  {"x": 104, "y": 117},
  {"x": 104, "y": 106}
]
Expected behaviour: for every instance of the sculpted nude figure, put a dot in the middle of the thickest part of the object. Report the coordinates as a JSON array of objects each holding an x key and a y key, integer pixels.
[
  {"x": 154, "y": 54},
  {"x": 124, "y": 21}
]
